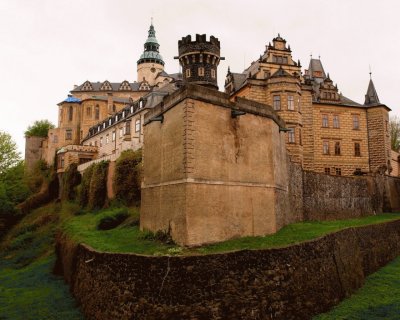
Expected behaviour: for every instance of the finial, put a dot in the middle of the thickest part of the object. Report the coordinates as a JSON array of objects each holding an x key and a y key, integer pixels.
[
  {"x": 279, "y": 35},
  {"x": 328, "y": 76},
  {"x": 370, "y": 73},
  {"x": 151, "y": 20},
  {"x": 229, "y": 69},
  {"x": 310, "y": 55},
  {"x": 319, "y": 57}
]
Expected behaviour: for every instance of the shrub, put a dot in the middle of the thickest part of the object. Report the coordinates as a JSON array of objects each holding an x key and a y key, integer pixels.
[
  {"x": 127, "y": 178},
  {"x": 98, "y": 186},
  {"x": 70, "y": 180},
  {"x": 112, "y": 219},
  {"x": 83, "y": 188}
]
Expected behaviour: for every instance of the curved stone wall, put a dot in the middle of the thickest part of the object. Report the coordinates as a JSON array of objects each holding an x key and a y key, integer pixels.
[{"x": 294, "y": 282}]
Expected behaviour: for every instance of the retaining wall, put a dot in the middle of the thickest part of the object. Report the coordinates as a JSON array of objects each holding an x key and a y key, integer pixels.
[{"x": 294, "y": 282}]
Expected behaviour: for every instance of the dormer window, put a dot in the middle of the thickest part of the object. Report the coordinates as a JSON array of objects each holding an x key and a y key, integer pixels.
[{"x": 131, "y": 109}]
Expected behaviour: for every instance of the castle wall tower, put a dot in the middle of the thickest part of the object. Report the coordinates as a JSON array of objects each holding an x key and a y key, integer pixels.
[
  {"x": 199, "y": 60},
  {"x": 378, "y": 131},
  {"x": 151, "y": 62}
]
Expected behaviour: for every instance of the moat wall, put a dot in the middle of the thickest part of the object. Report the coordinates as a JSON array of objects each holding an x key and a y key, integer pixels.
[
  {"x": 317, "y": 196},
  {"x": 294, "y": 282}
]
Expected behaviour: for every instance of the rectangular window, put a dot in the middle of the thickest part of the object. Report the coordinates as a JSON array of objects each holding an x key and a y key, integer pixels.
[
  {"x": 325, "y": 121},
  {"x": 89, "y": 112},
  {"x": 277, "y": 102},
  {"x": 97, "y": 112},
  {"x": 213, "y": 75},
  {"x": 201, "y": 72},
  {"x": 338, "y": 171},
  {"x": 356, "y": 122},
  {"x": 137, "y": 125},
  {"x": 101, "y": 142},
  {"x": 187, "y": 73},
  {"x": 70, "y": 113},
  {"x": 107, "y": 139},
  {"x": 299, "y": 104},
  {"x": 357, "y": 149},
  {"x": 291, "y": 135},
  {"x": 55, "y": 139},
  {"x": 128, "y": 127},
  {"x": 68, "y": 134},
  {"x": 95, "y": 143},
  {"x": 327, "y": 170},
  {"x": 337, "y": 148},
  {"x": 336, "y": 123},
  {"x": 113, "y": 136},
  {"x": 325, "y": 147},
  {"x": 290, "y": 103},
  {"x": 121, "y": 132},
  {"x": 300, "y": 137}
]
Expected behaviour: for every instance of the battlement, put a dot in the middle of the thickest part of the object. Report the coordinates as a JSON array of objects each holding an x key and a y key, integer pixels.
[{"x": 199, "y": 59}]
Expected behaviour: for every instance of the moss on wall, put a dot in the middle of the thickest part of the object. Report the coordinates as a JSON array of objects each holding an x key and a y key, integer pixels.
[
  {"x": 70, "y": 180},
  {"x": 127, "y": 177},
  {"x": 97, "y": 194}
]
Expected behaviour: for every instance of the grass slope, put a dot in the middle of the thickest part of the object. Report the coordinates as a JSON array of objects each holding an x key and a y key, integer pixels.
[
  {"x": 28, "y": 289},
  {"x": 377, "y": 299}
]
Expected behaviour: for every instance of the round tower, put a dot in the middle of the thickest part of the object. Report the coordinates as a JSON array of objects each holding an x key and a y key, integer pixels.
[
  {"x": 199, "y": 60},
  {"x": 151, "y": 62}
]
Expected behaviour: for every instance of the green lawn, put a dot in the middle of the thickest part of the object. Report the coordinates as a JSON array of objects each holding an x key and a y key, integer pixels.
[
  {"x": 379, "y": 298},
  {"x": 128, "y": 237}
]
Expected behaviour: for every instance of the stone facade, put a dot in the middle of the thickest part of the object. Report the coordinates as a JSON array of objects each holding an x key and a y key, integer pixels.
[
  {"x": 210, "y": 175},
  {"x": 327, "y": 132},
  {"x": 33, "y": 150}
]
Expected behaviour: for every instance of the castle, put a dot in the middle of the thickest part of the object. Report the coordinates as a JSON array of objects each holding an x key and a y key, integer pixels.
[{"x": 231, "y": 148}]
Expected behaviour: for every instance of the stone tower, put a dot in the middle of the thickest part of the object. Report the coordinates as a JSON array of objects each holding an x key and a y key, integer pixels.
[
  {"x": 151, "y": 62},
  {"x": 378, "y": 131},
  {"x": 199, "y": 60}
]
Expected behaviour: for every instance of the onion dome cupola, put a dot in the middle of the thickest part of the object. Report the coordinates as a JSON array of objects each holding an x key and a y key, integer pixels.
[{"x": 151, "y": 52}]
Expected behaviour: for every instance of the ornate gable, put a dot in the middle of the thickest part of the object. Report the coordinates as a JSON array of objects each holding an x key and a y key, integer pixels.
[
  {"x": 87, "y": 86},
  {"x": 328, "y": 91},
  {"x": 144, "y": 86},
  {"x": 125, "y": 86},
  {"x": 106, "y": 86}
]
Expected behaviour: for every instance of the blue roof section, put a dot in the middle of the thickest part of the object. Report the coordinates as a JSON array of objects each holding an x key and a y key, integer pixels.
[{"x": 71, "y": 98}]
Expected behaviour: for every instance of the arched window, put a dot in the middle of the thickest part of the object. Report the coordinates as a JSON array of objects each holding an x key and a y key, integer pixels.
[{"x": 70, "y": 113}]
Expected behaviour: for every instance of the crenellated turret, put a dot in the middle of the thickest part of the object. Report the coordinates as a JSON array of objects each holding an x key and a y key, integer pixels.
[{"x": 199, "y": 60}]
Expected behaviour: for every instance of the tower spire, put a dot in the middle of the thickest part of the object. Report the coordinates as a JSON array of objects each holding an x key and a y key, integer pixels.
[{"x": 371, "y": 96}]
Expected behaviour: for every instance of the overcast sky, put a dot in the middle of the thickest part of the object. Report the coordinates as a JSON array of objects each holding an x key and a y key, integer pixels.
[{"x": 47, "y": 46}]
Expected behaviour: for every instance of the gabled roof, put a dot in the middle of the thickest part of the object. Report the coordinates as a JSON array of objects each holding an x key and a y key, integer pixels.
[
  {"x": 281, "y": 73},
  {"x": 113, "y": 86},
  {"x": 372, "y": 96},
  {"x": 238, "y": 80}
]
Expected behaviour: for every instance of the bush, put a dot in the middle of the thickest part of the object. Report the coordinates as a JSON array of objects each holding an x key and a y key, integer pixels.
[
  {"x": 127, "y": 178},
  {"x": 113, "y": 219},
  {"x": 98, "y": 186},
  {"x": 48, "y": 192},
  {"x": 70, "y": 180},
  {"x": 83, "y": 188}
]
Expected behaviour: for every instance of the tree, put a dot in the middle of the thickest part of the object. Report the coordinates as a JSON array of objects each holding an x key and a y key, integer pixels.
[
  {"x": 40, "y": 128},
  {"x": 395, "y": 133},
  {"x": 9, "y": 156}
]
